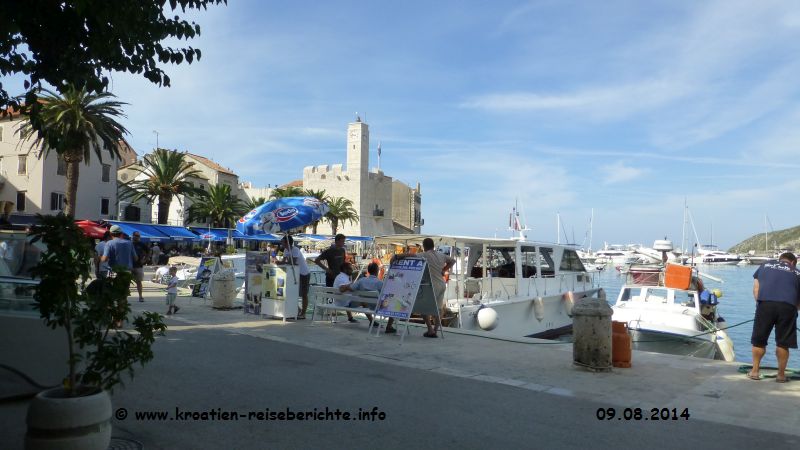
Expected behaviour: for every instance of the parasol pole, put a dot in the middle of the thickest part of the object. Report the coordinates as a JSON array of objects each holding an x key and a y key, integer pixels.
[{"x": 291, "y": 255}]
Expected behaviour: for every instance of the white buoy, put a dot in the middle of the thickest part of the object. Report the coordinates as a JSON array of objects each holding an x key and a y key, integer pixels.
[
  {"x": 538, "y": 308},
  {"x": 569, "y": 302},
  {"x": 487, "y": 319}
]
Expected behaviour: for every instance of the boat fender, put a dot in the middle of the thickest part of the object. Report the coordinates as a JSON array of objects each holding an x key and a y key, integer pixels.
[
  {"x": 487, "y": 318},
  {"x": 601, "y": 294},
  {"x": 538, "y": 308},
  {"x": 569, "y": 302}
]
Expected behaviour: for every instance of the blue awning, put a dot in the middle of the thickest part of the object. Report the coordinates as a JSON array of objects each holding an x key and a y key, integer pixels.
[
  {"x": 146, "y": 231},
  {"x": 322, "y": 237},
  {"x": 216, "y": 234},
  {"x": 176, "y": 233}
]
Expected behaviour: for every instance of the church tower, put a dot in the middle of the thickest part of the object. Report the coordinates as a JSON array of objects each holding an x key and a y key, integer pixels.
[{"x": 358, "y": 148}]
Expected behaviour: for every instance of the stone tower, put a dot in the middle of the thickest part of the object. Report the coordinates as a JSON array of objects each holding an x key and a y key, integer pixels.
[{"x": 357, "y": 148}]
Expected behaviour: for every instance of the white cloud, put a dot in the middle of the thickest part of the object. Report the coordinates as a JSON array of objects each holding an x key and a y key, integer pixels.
[{"x": 619, "y": 172}]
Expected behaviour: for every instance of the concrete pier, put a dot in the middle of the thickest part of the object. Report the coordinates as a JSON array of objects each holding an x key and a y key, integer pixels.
[{"x": 462, "y": 391}]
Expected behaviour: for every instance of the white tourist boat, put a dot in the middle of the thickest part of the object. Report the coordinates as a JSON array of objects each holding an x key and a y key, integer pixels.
[
  {"x": 522, "y": 285},
  {"x": 616, "y": 255},
  {"x": 666, "y": 316}
]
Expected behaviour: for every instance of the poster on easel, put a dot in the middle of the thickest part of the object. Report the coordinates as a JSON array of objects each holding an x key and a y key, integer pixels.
[
  {"x": 255, "y": 265},
  {"x": 400, "y": 288},
  {"x": 209, "y": 265}
]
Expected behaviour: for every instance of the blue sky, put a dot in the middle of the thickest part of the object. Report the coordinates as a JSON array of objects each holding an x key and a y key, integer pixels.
[{"x": 626, "y": 107}]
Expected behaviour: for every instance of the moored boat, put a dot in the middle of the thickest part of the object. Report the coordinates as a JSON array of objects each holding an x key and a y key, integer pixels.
[
  {"x": 522, "y": 285},
  {"x": 669, "y": 311}
]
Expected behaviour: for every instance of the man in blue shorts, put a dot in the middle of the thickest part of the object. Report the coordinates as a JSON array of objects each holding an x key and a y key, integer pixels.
[{"x": 776, "y": 290}]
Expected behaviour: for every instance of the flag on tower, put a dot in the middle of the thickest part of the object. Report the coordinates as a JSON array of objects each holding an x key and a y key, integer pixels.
[{"x": 379, "y": 148}]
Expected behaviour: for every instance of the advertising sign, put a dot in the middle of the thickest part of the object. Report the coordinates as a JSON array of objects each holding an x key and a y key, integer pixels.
[{"x": 400, "y": 287}]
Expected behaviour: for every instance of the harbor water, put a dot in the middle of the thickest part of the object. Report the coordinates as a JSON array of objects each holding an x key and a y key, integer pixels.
[{"x": 736, "y": 306}]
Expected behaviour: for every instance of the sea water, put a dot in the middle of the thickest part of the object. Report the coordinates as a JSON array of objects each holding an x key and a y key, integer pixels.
[{"x": 736, "y": 306}]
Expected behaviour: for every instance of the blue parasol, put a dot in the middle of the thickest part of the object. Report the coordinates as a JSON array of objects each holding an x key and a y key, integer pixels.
[{"x": 285, "y": 214}]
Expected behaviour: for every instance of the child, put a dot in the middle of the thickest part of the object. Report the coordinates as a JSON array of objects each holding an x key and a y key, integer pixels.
[{"x": 172, "y": 291}]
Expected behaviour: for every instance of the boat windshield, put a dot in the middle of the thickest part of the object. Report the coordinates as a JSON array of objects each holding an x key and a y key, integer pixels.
[
  {"x": 18, "y": 255},
  {"x": 657, "y": 296}
]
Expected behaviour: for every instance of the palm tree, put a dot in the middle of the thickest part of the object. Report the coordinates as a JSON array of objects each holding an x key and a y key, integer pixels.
[
  {"x": 286, "y": 191},
  {"x": 167, "y": 173},
  {"x": 74, "y": 125},
  {"x": 254, "y": 203},
  {"x": 341, "y": 210},
  {"x": 220, "y": 207},
  {"x": 320, "y": 195}
]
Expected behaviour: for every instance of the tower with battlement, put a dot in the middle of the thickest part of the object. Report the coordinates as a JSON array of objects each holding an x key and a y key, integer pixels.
[{"x": 371, "y": 191}]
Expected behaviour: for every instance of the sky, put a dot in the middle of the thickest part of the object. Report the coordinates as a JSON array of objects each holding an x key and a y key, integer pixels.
[{"x": 623, "y": 111}]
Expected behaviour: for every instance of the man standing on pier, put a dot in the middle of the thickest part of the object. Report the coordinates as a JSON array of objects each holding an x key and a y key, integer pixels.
[{"x": 776, "y": 290}]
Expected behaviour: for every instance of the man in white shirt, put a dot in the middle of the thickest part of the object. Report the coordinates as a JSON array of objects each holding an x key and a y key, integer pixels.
[
  {"x": 342, "y": 282},
  {"x": 294, "y": 256}
]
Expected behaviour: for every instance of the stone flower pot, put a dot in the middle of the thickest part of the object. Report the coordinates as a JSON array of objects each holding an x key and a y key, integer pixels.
[{"x": 57, "y": 421}]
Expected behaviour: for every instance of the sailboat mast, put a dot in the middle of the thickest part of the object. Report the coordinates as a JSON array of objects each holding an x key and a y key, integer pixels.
[
  {"x": 591, "y": 224},
  {"x": 558, "y": 228}
]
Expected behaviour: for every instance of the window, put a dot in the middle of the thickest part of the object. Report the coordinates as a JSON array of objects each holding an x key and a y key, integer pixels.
[
  {"x": 62, "y": 166},
  {"x": 20, "y": 200},
  {"x": 104, "y": 206},
  {"x": 106, "y": 172},
  {"x": 56, "y": 201},
  {"x": 22, "y": 164},
  {"x": 571, "y": 262}
]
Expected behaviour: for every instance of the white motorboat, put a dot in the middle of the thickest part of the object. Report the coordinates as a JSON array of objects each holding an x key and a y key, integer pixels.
[
  {"x": 523, "y": 285},
  {"x": 617, "y": 255},
  {"x": 665, "y": 313},
  {"x": 711, "y": 254}
]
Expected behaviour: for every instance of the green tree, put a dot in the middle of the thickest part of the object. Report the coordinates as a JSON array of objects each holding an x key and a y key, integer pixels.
[
  {"x": 79, "y": 42},
  {"x": 320, "y": 195},
  {"x": 341, "y": 211},
  {"x": 286, "y": 191},
  {"x": 76, "y": 125},
  {"x": 167, "y": 174},
  {"x": 254, "y": 203},
  {"x": 220, "y": 207}
]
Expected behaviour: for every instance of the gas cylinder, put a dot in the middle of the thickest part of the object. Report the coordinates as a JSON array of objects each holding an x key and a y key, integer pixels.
[{"x": 620, "y": 345}]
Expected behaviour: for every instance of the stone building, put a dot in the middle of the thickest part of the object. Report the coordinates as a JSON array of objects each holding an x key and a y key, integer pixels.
[
  {"x": 30, "y": 184},
  {"x": 384, "y": 205}
]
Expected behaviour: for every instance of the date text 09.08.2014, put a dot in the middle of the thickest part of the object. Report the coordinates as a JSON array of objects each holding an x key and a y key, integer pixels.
[{"x": 643, "y": 414}]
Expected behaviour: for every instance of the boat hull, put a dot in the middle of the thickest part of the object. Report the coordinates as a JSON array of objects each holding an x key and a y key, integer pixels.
[
  {"x": 673, "y": 344},
  {"x": 539, "y": 317}
]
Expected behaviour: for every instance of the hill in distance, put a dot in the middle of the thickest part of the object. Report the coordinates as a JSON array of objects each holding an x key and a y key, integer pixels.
[{"x": 781, "y": 239}]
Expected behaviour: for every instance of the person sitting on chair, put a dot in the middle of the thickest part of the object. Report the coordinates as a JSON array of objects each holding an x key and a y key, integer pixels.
[{"x": 367, "y": 283}]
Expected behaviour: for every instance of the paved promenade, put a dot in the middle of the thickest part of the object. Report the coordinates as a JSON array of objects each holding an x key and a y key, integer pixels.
[{"x": 459, "y": 392}]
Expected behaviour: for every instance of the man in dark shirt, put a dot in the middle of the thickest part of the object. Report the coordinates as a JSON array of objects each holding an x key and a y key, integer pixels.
[
  {"x": 776, "y": 290},
  {"x": 142, "y": 255},
  {"x": 333, "y": 257}
]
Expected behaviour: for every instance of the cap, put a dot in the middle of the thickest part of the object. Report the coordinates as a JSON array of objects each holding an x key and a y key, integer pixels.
[{"x": 115, "y": 229}]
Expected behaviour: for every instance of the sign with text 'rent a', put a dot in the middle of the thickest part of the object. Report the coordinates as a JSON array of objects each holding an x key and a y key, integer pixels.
[{"x": 400, "y": 287}]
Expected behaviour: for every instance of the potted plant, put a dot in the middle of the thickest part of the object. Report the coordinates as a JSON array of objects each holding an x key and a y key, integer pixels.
[{"x": 78, "y": 414}]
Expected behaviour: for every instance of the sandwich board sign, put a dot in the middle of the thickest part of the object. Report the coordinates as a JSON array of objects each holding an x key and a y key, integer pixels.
[{"x": 407, "y": 289}]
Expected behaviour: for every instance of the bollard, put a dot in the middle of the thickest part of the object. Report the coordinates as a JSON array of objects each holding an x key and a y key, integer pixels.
[
  {"x": 591, "y": 331},
  {"x": 223, "y": 289}
]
